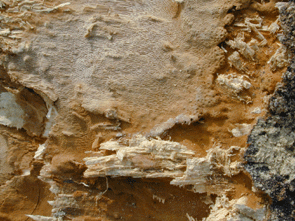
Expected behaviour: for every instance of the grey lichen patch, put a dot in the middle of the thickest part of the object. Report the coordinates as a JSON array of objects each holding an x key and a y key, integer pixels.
[
  {"x": 271, "y": 153},
  {"x": 270, "y": 161},
  {"x": 270, "y": 156}
]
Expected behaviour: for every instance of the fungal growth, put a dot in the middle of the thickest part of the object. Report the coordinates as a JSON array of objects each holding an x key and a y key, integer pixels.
[{"x": 144, "y": 110}]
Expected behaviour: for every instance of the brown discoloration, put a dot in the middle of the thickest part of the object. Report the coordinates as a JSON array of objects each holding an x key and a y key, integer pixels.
[{"x": 182, "y": 79}]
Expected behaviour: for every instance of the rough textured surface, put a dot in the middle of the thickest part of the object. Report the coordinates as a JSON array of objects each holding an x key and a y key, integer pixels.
[
  {"x": 137, "y": 110},
  {"x": 270, "y": 156}
]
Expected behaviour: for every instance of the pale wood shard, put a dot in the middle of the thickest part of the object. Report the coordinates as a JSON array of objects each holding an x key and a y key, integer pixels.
[
  {"x": 202, "y": 173},
  {"x": 241, "y": 130},
  {"x": 279, "y": 59},
  {"x": 44, "y": 218},
  {"x": 142, "y": 158},
  {"x": 235, "y": 60},
  {"x": 244, "y": 48},
  {"x": 180, "y": 119},
  {"x": 234, "y": 210},
  {"x": 234, "y": 82}
]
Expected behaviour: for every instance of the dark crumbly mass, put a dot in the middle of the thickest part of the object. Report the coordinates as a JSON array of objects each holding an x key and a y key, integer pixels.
[{"x": 270, "y": 158}]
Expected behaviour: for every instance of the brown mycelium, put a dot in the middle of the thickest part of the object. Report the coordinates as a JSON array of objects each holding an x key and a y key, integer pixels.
[{"x": 159, "y": 95}]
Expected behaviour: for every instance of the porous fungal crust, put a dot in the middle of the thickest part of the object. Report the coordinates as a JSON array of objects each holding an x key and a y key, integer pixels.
[{"x": 140, "y": 110}]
